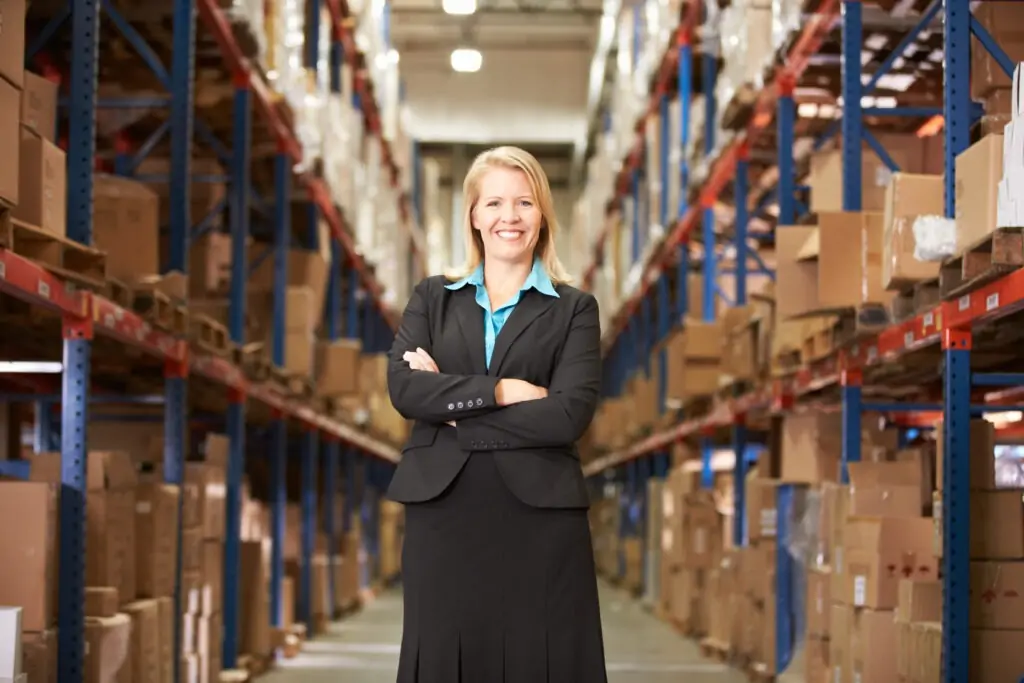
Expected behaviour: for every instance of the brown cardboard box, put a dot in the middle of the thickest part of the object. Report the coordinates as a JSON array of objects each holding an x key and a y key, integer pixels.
[
  {"x": 978, "y": 171},
  {"x": 145, "y": 646},
  {"x": 108, "y": 648},
  {"x": 1003, "y": 20},
  {"x": 819, "y": 599},
  {"x": 110, "y": 516},
  {"x": 208, "y": 481},
  {"x": 298, "y": 352},
  {"x": 101, "y": 601},
  {"x": 42, "y": 185},
  {"x": 125, "y": 220},
  {"x": 995, "y": 589},
  {"x": 762, "y": 512},
  {"x": 165, "y": 614},
  {"x": 337, "y": 364},
  {"x": 156, "y": 546},
  {"x": 12, "y": 42},
  {"x": 192, "y": 549},
  {"x": 816, "y": 663},
  {"x": 878, "y": 552},
  {"x": 305, "y": 267},
  {"x": 700, "y": 340},
  {"x": 811, "y": 447},
  {"x": 255, "y": 636},
  {"x": 300, "y": 316},
  {"x": 995, "y": 656},
  {"x": 213, "y": 576},
  {"x": 885, "y": 489},
  {"x": 908, "y": 196},
  {"x": 873, "y": 646},
  {"x": 843, "y": 280},
  {"x": 997, "y": 524},
  {"x": 919, "y": 600},
  {"x": 28, "y": 552},
  {"x": 796, "y": 276},
  {"x": 10, "y": 134},
  {"x": 39, "y": 106},
  {"x": 39, "y": 656},
  {"x": 981, "y": 454},
  {"x": 839, "y": 654}
]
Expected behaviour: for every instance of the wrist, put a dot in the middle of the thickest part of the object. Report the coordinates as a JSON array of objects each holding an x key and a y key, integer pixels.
[{"x": 499, "y": 392}]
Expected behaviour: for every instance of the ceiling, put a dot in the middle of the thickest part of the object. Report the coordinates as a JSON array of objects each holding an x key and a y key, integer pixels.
[{"x": 532, "y": 87}]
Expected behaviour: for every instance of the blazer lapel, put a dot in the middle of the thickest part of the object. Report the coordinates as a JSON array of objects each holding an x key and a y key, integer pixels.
[
  {"x": 471, "y": 322},
  {"x": 532, "y": 305}
]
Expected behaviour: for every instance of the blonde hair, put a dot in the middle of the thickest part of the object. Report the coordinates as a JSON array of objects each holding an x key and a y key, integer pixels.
[{"x": 520, "y": 160}]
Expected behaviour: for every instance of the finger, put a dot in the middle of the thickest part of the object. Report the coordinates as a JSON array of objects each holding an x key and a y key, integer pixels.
[{"x": 427, "y": 360}]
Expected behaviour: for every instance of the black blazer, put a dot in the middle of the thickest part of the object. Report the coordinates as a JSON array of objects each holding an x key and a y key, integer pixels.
[{"x": 547, "y": 341}]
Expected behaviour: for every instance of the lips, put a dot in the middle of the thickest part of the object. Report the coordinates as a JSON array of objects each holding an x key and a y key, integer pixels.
[{"x": 509, "y": 235}]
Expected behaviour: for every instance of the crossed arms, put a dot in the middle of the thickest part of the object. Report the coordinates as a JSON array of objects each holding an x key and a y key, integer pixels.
[{"x": 493, "y": 414}]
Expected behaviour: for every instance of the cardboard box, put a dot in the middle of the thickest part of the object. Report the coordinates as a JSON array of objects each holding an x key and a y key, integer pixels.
[
  {"x": 28, "y": 552},
  {"x": 156, "y": 529},
  {"x": 337, "y": 367},
  {"x": 12, "y": 41},
  {"x": 145, "y": 650},
  {"x": 997, "y": 524},
  {"x": 907, "y": 197},
  {"x": 979, "y": 169},
  {"x": 108, "y": 648},
  {"x": 10, "y": 134},
  {"x": 42, "y": 190},
  {"x": 125, "y": 224},
  {"x": 878, "y": 552},
  {"x": 208, "y": 482},
  {"x": 1003, "y": 21},
  {"x": 885, "y": 489},
  {"x": 819, "y": 600},
  {"x": 39, "y": 106}
]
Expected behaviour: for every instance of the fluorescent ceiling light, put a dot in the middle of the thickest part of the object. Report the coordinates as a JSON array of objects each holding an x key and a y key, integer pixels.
[
  {"x": 466, "y": 60},
  {"x": 459, "y": 7},
  {"x": 31, "y": 367}
]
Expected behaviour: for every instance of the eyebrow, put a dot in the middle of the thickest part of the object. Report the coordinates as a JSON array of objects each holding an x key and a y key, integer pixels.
[{"x": 525, "y": 196}]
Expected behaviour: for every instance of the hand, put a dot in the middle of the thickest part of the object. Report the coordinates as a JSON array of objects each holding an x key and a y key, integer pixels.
[
  {"x": 420, "y": 360},
  {"x": 509, "y": 391},
  {"x": 450, "y": 422}
]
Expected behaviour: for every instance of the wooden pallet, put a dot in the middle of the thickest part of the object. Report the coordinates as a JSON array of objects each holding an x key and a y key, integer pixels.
[
  {"x": 64, "y": 258},
  {"x": 254, "y": 665},
  {"x": 919, "y": 297},
  {"x": 759, "y": 673},
  {"x": 159, "y": 309},
  {"x": 984, "y": 261},
  {"x": 120, "y": 293},
  {"x": 254, "y": 362},
  {"x": 300, "y": 386},
  {"x": 715, "y": 650},
  {"x": 210, "y": 335}
]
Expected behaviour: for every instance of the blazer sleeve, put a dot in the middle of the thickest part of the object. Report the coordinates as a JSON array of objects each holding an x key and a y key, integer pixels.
[
  {"x": 431, "y": 396},
  {"x": 560, "y": 419}
]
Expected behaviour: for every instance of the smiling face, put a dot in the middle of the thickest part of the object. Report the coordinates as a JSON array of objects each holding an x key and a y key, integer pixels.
[{"x": 507, "y": 216}]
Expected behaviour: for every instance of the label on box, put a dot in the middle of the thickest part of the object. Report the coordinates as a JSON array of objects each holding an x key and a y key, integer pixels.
[
  {"x": 666, "y": 539},
  {"x": 667, "y": 505},
  {"x": 768, "y": 521},
  {"x": 143, "y": 507},
  {"x": 860, "y": 589},
  {"x": 856, "y": 677},
  {"x": 837, "y": 674}
]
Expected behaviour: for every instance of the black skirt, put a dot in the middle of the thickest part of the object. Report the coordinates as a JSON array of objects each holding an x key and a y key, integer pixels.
[{"x": 497, "y": 591}]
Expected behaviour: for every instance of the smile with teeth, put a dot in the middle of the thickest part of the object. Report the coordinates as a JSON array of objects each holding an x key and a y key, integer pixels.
[{"x": 510, "y": 234}]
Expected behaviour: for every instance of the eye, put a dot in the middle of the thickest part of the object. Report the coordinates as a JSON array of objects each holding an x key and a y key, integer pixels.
[
  {"x": 493, "y": 203},
  {"x": 527, "y": 203}
]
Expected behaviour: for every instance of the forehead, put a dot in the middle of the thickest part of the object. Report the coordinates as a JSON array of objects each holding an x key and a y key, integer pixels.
[{"x": 501, "y": 181}]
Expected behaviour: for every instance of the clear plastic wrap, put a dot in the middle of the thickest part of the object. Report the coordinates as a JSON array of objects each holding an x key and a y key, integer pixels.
[
  {"x": 1009, "y": 466},
  {"x": 107, "y": 640},
  {"x": 745, "y": 45},
  {"x": 786, "y": 18},
  {"x": 934, "y": 238}
]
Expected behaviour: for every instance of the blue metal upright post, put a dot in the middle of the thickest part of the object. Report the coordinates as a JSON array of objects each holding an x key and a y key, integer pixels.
[
  {"x": 685, "y": 87},
  {"x": 352, "y": 304},
  {"x": 664, "y": 325},
  {"x": 282, "y": 242},
  {"x": 44, "y": 432},
  {"x": 956, "y": 500},
  {"x": 851, "y": 381},
  {"x": 710, "y": 72},
  {"x": 852, "y": 124},
  {"x": 175, "y": 453},
  {"x": 348, "y": 502},
  {"x": 74, "y": 453},
  {"x": 81, "y": 150},
  {"x": 332, "y": 453},
  {"x": 956, "y": 104},
  {"x": 239, "y": 214},
  {"x": 181, "y": 105},
  {"x": 309, "y": 526},
  {"x": 787, "y": 179},
  {"x": 739, "y": 484},
  {"x": 278, "y": 517}
]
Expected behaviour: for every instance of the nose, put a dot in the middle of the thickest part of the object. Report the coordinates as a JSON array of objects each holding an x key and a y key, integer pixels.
[{"x": 509, "y": 214}]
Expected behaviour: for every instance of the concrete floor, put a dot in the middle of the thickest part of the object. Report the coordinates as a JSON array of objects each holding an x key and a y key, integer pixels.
[{"x": 364, "y": 648}]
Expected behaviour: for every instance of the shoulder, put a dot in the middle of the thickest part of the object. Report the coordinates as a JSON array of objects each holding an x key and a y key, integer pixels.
[
  {"x": 575, "y": 299},
  {"x": 432, "y": 286}
]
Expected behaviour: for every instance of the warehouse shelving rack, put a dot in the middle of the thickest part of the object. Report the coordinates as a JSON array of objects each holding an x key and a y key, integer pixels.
[
  {"x": 92, "y": 324},
  {"x": 945, "y": 333}
]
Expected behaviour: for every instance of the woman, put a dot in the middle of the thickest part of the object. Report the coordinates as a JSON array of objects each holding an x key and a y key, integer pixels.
[{"x": 499, "y": 365}]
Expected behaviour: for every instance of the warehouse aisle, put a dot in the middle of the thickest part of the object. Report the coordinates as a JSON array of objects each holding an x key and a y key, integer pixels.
[{"x": 641, "y": 649}]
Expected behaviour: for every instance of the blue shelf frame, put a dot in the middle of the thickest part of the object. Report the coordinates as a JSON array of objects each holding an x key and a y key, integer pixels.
[{"x": 81, "y": 106}]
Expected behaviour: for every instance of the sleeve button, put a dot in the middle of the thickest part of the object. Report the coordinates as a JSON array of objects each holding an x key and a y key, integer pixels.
[
  {"x": 479, "y": 401},
  {"x": 451, "y": 406},
  {"x": 460, "y": 405}
]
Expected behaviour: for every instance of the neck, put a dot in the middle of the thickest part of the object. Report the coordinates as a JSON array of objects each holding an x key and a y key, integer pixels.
[{"x": 504, "y": 275}]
